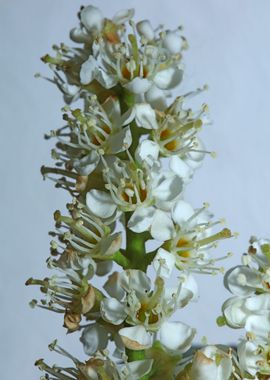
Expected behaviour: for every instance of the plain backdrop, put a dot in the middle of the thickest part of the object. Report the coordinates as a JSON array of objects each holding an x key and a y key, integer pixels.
[{"x": 229, "y": 50}]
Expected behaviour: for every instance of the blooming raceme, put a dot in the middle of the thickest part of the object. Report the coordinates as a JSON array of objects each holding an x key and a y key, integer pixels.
[{"x": 126, "y": 155}]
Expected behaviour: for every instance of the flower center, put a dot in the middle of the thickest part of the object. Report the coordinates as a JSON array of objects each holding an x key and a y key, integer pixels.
[
  {"x": 143, "y": 313},
  {"x": 182, "y": 243}
]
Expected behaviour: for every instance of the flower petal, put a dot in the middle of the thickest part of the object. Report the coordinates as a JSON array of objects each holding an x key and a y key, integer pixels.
[
  {"x": 88, "y": 70},
  {"x": 112, "y": 311},
  {"x": 123, "y": 16},
  {"x": 164, "y": 262},
  {"x": 176, "y": 336},
  {"x": 100, "y": 203},
  {"x": 249, "y": 357},
  {"x": 139, "y": 368},
  {"x": 86, "y": 165},
  {"x": 167, "y": 186},
  {"x": 138, "y": 85},
  {"x": 135, "y": 337},
  {"x": 92, "y": 18},
  {"x": 234, "y": 312},
  {"x": 242, "y": 280},
  {"x": 156, "y": 98},
  {"x": 181, "y": 212},
  {"x": 147, "y": 151},
  {"x": 104, "y": 267},
  {"x": 113, "y": 286},
  {"x": 141, "y": 219},
  {"x": 94, "y": 338},
  {"x": 180, "y": 168},
  {"x": 120, "y": 141},
  {"x": 162, "y": 227},
  {"x": 145, "y": 29},
  {"x": 168, "y": 78},
  {"x": 145, "y": 116},
  {"x": 259, "y": 325},
  {"x": 136, "y": 280},
  {"x": 173, "y": 42}
]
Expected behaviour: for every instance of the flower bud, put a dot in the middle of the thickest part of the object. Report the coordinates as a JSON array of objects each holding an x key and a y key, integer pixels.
[
  {"x": 145, "y": 29},
  {"x": 173, "y": 42},
  {"x": 92, "y": 18}
]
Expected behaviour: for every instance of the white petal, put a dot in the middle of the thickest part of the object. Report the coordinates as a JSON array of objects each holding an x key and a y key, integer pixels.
[
  {"x": 105, "y": 78},
  {"x": 78, "y": 35},
  {"x": 94, "y": 338},
  {"x": 249, "y": 357},
  {"x": 234, "y": 312},
  {"x": 181, "y": 212},
  {"x": 162, "y": 227},
  {"x": 87, "y": 164},
  {"x": 156, "y": 98},
  {"x": 145, "y": 116},
  {"x": 139, "y": 368},
  {"x": 70, "y": 90},
  {"x": 145, "y": 29},
  {"x": 92, "y": 18},
  {"x": 164, "y": 262},
  {"x": 113, "y": 110},
  {"x": 173, "y": 42},
  {"x": 168, "y": 78},
  {"x": 111, "y": 244},
  {"x": 258, "y": 303},
  {"x": 123, "y": 16},
  {"x": 141, "y": 219},
  {"x": 100, "y": 203},
  {"x": 167, "y": 186},
  {"x": 259, "y": 325},
  {"x": 138, "y": 85},
  {"x": 113, "y": 287},
  {"x": 147, "y": 151},
  {"x": 88, "y": 70},
  {"x": 176, "y": 336},
  {"x": 203, "y": 368},
  {"x": 135, "y": 337},
  {"x": 112, "y": 311},
  {"x": 211, "y": 363},
  {"x": 120, "y": 141},
  {"x": 136, "y": 280},
  {"x": 194, "y": 159},
  {"x": 242, "y": 280},
  {"x": 104, "y": 267},
  {"x": 180, "y": 168}
]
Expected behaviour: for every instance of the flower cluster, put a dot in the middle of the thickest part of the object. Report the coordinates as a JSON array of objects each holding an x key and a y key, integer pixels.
[
  {"x": 126, "y": 154},
  {"x": 249, "y": 308}
]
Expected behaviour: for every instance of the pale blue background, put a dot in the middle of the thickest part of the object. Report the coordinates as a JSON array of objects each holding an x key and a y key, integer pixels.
[{"x": 229, "y": 50}]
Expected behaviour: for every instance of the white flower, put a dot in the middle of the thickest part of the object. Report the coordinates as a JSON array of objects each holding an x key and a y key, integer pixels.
[
  {"x": 188, "y": 238},
  {"x": 241, "y": 312},
  {"x": 147, "y": 311},
  {"x": 135, "y": 188},
  {"x": 177, "y": 132},
  {"x": 211, "y": 363},
  {"x": 151, "y": 65},
  {"x": 253, "y": 357},
  {"x": 84, "y": 235},
  {"x": 99, "y": 130}
]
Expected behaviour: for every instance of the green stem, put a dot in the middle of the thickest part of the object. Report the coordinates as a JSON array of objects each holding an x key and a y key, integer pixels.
[
  {"x": 135, "y": 247},
  {"x": 120, "y": 259}
]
